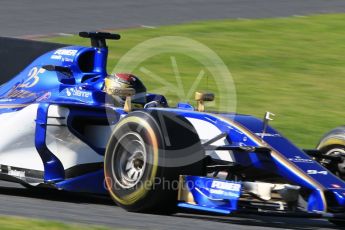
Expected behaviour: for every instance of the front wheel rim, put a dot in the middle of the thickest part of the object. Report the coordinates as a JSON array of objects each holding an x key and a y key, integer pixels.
[
  {"x": 129, "y": 160},
  {"x": 336, "y": 151}
]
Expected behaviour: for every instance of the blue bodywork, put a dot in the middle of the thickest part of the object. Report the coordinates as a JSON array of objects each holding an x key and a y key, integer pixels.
[
  {"x": 212, "y": 195},
  {"x": 80, "y": 87}
]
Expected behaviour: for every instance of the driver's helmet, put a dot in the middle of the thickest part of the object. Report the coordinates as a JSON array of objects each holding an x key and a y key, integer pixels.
[{"x": 125, "y": 80}]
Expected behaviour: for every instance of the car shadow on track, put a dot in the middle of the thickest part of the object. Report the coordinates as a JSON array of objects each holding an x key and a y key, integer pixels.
[
  {"x": 241, "y": 220},
  {"x": 54, "y": 195},
  {"x": 265, "y": 221}
]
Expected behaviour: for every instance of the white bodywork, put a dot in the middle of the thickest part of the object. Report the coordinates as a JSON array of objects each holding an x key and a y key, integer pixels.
[
  {"x": 68, "y": 148},
  {"x": 206, "y": 131},
  {"x": 17, "y": 145}
]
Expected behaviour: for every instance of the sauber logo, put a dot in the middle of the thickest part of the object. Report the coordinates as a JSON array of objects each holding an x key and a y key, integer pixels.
[
  {"x": 77, "y": 92},
  {"x": 226, "y": 186}
]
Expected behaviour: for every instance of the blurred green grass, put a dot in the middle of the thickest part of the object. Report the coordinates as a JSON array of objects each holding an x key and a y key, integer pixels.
[
  {"x": 19, "y": 223},
  {"x": 293, "y": 67}
]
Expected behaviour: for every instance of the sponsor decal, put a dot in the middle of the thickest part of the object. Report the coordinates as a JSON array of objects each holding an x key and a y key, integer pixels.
[
  {"x": 6, "y": 100},
  {"x": 223, "y": 193},
  {"x": 44, "y": 97},
  {"x": 66, "y": 59},
  {"x": 226, "y": 186},
  {"x": 19, "y": 91},
  {"x": 56, "y": 57},
  {"x": 21, "y": 94},
  {"x": 15, "y": 173},
  {"x": 77, "y": 92},
  {"x": 335, "y": 186},
  {"x": 298, "y": 159},
  {"x": 65, "y": 52},
  {"x": 262, "y": 135},
  {"x": 61, "y": 58},
  {"x": 316, "y": 172}
]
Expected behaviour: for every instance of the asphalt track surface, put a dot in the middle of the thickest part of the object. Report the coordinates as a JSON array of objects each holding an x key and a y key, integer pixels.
[
  {"x": 25, "y": 18},
  {"x": 35, "y": 17},
  {"x": 70, "y": 207}
]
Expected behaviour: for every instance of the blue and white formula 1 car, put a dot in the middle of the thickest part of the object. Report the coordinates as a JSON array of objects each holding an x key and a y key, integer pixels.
[{"x": 60, "y": 128}]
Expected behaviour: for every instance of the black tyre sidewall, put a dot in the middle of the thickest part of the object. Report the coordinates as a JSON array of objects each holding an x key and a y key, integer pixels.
[{"x": 172, "y": 135}]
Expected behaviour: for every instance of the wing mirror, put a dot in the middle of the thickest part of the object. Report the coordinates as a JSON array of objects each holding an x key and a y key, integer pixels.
[{"x": 201, "y": 97}]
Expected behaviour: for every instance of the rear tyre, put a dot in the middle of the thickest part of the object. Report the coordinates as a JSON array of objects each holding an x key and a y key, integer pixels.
[{"x": 145, "y": 155}]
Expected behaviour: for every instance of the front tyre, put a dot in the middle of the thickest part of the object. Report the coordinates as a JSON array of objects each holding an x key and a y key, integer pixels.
[
  {"x": 333, "y": 144},
  {"x": 145, "y": 155}
]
